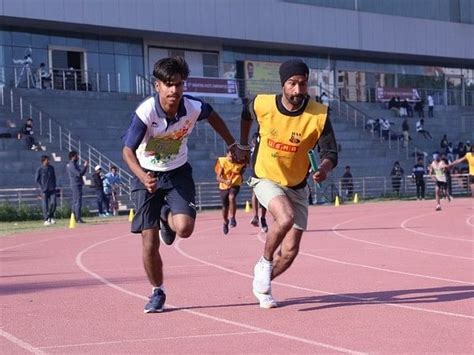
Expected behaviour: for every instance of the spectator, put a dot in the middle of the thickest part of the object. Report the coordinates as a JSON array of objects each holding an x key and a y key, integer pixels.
[
  {"x": 403, "y": 107},
  {"x": 418, "y": 174},
  {"x": 450, "y": 152},
  {"x": 394, "y": 105},
  {"x": 385, "y": 127},
  {"x": 420, "y": 128},
  {"x": 347, "y": 183},
  {"x": 447, "y": 172},
  {"x": 408, "y": 108},
  {"x": 406, "y": 132},
  {"x": 397, "y": 175},
  {"x": 430, "y": 106},
  {"x": 76, "y": 182},
  {"x": 324, "y": 99},
  {"x": 444, "y": 142},
  {"x": 46, "y": 180},
  {"x": 112, "y": 182},
  {"x": 98, "y": 183},
  {"x": 44, "y": 77},
  {"x": 419, "y": 107},
  {"x": 27, "y": 133},
  {"x": 461, "y": 150}
]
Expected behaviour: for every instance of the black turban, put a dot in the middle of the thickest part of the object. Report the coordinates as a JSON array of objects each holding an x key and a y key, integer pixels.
[{"x": 293, "y": 67}]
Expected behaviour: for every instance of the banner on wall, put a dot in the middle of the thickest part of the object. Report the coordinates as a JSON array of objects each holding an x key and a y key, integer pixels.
[
  {"x": 386, "y": 93},
  {"x": 261, "y": 78},
  {"x": 264, "y": 78},
  {"x": 211, "y": 87}
]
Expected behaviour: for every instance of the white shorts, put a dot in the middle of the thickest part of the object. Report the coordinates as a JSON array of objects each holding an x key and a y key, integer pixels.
[{"x": 266, "y": 190}]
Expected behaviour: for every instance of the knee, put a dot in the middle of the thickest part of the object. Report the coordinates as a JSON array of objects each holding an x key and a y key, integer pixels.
[
  {"x": 184, "y": 230},
  {"x": 231, "y": 198},
  {"x": 286, "y": 221}
]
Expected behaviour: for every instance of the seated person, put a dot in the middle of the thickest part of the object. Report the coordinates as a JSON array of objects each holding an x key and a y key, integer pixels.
[{"x": 27, "y": 133}]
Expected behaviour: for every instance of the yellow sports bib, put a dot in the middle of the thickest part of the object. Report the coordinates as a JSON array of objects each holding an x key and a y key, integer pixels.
[{"x": 285, "y": 140}]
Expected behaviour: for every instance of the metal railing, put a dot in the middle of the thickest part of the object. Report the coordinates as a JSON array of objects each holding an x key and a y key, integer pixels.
[
  {"x": 208, "y": 196},
  {"x": 61, "y": 79},
  {"x": 55, "y": 133}
]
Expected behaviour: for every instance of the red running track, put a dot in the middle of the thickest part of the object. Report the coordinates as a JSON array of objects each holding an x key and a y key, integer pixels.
[{"x": 392, "y": 277}]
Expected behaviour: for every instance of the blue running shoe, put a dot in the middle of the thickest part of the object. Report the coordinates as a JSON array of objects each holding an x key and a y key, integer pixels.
[
  {"x": 225, "y": 228},
  {"x": 156, "y": 304},
  {"x": 233, "y": 222},
  {"x": 167, "y": 235}
]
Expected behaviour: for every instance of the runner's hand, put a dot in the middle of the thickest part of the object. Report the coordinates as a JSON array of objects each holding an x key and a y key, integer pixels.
[{"x": 149, "y": 181}]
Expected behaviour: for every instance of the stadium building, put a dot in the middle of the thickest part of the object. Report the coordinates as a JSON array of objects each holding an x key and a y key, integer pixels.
[{"x": 361, "y": 52}]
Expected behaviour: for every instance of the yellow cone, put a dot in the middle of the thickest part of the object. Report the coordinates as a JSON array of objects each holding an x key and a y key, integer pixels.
[
  {"x": 72, "y": 221},
  {"x": 356, "y": 198},
  {"x": 247, "y": 206},
  {"x": 131, "y": 215},
  {"x": 336, "y": 203}
]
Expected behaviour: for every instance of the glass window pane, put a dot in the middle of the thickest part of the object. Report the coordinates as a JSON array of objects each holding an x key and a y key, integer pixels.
[
  {"x": 211, "y": 72},
  {"x": 21, "y": 39},
  {"x": 39, "y": 40},
  {"x": 210, "y": 59}
]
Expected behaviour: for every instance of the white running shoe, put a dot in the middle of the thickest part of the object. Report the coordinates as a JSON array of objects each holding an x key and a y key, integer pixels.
[
  {"x": 52, "y": 221},
  {"x": 266, "y": 300},
  {"x": 47, "y": 223},
  {"x": 438, "y": 208},
  {"x": 262, "y": 276}
]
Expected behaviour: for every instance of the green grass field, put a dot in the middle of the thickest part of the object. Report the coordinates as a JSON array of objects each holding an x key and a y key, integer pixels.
[{"x": 11, "y": 228}]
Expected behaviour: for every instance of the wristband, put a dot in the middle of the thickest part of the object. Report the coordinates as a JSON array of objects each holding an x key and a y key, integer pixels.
[
  {"x": 243, "y": 147},
  {"x": 229, "y": 147}
]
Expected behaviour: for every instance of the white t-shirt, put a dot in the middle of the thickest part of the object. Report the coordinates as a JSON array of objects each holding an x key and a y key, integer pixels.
[
  {"x": 164, "y": 145},
  {"x": 430, "y": 100}
]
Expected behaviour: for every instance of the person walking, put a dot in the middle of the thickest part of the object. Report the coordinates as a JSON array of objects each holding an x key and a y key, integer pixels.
[
  {"x": 155, "y": 149},
  {"x": 229, "y": 175},
  {"x": 46, "y": 179},
  {"x": 289, "y": 125},
  {"x": 76, "y": 182}
]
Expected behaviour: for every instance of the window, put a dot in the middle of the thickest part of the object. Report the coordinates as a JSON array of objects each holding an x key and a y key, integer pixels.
[{"x": 210, "y": 63}]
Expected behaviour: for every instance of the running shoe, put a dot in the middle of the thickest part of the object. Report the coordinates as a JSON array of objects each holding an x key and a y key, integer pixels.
[
  {"x": 156, "y": 304},
  {"x": 167, "y": 235},
  {"x": 262, "y": 276},
  {"x": 266, "y": 300}
]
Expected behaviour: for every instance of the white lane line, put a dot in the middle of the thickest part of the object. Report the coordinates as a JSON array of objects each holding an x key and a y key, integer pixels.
[
  {"x": 468, "y": 221},
  {"x": 112, "y": 342},
  {"x": 200, "y": 314},
  {"x": 342, "y": 235},
  {"x": 431, "y": 235},
  {"x": 312, "y": 290},
  {"x": 20, "y": 343}
]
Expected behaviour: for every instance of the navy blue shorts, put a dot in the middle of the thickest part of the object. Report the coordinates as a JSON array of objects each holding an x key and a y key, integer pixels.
[
  {"x": 225, "y": 194},
  {"x": 175, "y": 188}
]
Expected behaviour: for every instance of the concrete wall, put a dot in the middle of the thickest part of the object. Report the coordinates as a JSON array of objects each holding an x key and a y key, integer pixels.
[{"x": 269, "y": 21}]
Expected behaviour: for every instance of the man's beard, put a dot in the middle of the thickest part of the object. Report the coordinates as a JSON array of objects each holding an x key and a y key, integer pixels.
[{"x": 296, "y": 100}]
